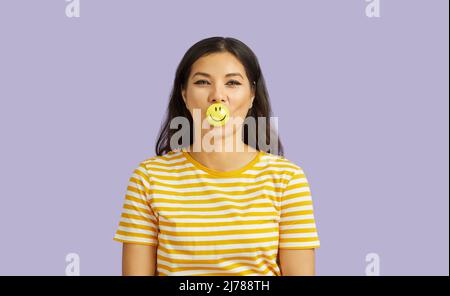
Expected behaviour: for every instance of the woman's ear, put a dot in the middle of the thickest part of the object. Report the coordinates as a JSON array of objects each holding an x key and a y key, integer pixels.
[
  {"x": 183, "y": 95},
  {"x": 253, "y": 94}
]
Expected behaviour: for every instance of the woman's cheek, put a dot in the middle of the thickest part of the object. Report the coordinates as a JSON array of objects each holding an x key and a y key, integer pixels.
[{"x": 241, "y": 109}]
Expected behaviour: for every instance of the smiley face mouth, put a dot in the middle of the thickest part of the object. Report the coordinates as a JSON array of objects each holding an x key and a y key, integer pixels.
[{"x": 218, "y": 120}]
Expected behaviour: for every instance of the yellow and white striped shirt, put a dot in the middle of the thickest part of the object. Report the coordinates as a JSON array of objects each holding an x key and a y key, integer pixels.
[{"x": 207, "y": 222}]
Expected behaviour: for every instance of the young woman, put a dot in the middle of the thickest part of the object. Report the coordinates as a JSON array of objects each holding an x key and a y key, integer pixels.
[{"x": 223, "y": 201}]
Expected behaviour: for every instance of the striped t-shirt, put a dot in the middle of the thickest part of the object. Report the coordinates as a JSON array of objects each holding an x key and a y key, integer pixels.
[{"x": 208, "y": 222}]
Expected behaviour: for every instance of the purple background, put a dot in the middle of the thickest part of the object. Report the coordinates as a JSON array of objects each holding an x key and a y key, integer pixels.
[{"x": 362, "y": 105}]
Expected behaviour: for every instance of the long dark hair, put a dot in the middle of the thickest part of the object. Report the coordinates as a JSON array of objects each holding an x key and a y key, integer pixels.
[{"x": 260, "y": 107}]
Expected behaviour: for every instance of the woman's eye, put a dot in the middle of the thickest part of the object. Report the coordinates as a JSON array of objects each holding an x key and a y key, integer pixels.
[
  {"x": 201, "y": 82},
  {"x": 234, "y": 82},
  {"x": 231, "y": 82}
]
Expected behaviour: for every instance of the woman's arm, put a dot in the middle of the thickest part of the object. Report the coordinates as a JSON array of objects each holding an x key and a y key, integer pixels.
[
  {"x": 138, "y": 259},
  {"x": 297, "y": 262}
]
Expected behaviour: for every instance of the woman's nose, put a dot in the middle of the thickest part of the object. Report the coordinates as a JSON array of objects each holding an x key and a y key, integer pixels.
[
  {"x": 218, "y": 95},
  {"x": 217, "y": 100}
]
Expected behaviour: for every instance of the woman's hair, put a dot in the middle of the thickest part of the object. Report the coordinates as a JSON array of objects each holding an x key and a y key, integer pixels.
[{"x": 260, "y": 107}]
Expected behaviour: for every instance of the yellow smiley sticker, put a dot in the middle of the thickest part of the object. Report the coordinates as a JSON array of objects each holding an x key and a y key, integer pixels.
[{"x": 217, "y": 114}]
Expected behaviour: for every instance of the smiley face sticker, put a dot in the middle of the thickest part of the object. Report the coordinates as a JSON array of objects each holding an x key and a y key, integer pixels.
[{"x": 217, "y": 114}]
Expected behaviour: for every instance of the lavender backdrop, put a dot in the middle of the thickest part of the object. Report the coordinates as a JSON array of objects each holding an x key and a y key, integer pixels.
[{"x": 362, "y": 105}]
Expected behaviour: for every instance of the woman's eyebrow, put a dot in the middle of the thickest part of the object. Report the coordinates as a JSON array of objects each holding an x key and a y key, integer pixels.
[{"x": 208, "y": 75}]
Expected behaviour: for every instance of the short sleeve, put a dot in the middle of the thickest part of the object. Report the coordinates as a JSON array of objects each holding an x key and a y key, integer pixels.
[
  {"x": 138, "y": 223},
  {"x": 297, "y": 225}
]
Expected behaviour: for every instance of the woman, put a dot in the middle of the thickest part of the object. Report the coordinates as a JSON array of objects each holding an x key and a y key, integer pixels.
[{"x": 223, "y": 201}]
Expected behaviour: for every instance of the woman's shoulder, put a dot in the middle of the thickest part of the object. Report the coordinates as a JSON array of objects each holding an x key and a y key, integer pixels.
[
  {"x": 279, "y": 161},
  {"x": 167, "y": 159}
]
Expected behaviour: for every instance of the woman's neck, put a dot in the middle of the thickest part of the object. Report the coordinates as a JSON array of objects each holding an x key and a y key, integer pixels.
[{"x": 224, "y": 160}]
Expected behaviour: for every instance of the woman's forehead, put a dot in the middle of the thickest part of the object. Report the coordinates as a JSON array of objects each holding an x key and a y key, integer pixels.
[{"x": 218, "y": 64}]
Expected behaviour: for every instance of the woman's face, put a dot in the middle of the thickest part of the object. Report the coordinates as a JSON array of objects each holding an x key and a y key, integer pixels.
[{"x": 218, "y": 78}]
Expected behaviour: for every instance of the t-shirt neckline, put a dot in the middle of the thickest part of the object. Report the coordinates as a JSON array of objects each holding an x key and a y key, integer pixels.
[{"x": 232, "y": 173}]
